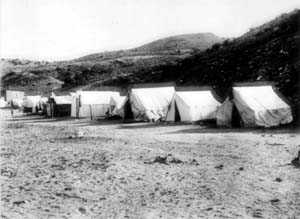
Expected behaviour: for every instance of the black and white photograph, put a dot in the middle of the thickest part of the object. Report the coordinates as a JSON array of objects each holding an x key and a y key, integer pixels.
[{"x": 150, "y": 109}]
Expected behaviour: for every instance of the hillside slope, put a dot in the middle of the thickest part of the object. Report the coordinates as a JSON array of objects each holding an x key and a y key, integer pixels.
[{"x": 92, "y": 70}]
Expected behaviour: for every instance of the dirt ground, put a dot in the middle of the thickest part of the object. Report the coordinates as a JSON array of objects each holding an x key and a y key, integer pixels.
[{"x": 70, "y": 168}]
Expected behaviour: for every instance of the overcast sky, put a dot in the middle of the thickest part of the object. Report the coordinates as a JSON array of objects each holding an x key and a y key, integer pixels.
[{"x": 64, "y": 29}]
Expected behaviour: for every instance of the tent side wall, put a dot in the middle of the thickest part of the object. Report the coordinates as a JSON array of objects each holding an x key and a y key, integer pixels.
[
  {"x": 96, "y": 110},
  {"x": 137, "y": 107},
  {"x": 245, "y": 112},
  {"x": 183, "y": 109},
  {"x": 261, "y": 106},
  {"x": 144, "y": 113},
  {"x": 224, "y": 114},
  {"x": 269, "y": 118},
  {"x": 193, "y": 106},
  {"x": 151, "y": 103},
  {"x": 92, "y": 103},
  {"x": 10, "y": 95},
  {"x": 59, "y": 109}
]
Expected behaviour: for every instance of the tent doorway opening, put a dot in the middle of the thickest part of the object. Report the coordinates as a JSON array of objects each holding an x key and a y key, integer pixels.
[
  {"x": 177, "y": 115},
  {"x": 236, "y": 120},
  {"x": 128, "y": 114}
]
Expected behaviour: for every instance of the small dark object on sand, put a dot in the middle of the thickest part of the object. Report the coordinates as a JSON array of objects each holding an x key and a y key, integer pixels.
[
  {"x": 296, "y": 161},
  {"x": 241, "y": 168},
  {"x": 220, "y": 167},
  {"x": 164, "y": 160},
  {"x": 18, "y": 202},
  {"x": 278, "y": 179},
  {"x": 275, "y": 200},
  {"x": 160, "y": 159},
  {"x": 172, "y": 159},
  {"x": 82, "y": 210}
]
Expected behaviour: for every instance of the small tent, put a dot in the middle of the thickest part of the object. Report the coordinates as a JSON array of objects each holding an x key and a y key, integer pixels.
[
  {"x": 254, "y": 106},
  {"x": 59, "y": 106},
  {"x": 16, "y": 103},
  {"x": 12, "y": 94},
  {"x": 91, "y": 103},
  {"x": 3, "y": 103},
  {"x": 151, "y": 103},
  {"x": 191, "y": 104},
  {"x": 31, "y": 104},
  {"x": 118, "y": 106}
]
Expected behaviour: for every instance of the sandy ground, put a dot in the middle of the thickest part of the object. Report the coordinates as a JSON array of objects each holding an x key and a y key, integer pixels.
[{"x": 69, "y": 168}]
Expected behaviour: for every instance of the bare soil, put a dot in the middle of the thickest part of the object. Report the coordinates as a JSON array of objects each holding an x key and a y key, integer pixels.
[{"x": 70, "y": 168}]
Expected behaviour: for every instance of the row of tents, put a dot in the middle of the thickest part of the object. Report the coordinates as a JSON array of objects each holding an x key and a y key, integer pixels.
[{"x": 246, "y": 105}]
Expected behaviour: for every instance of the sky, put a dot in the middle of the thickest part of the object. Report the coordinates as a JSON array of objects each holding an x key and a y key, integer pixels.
[{"x": 65, "y": 29}]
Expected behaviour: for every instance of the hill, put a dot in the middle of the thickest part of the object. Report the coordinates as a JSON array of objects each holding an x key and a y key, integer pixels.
[
  {"x": 94, "y": 69},
  {"x": 182, "y": 42}
]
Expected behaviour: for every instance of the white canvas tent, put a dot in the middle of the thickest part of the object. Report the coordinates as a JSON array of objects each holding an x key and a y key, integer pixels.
[
  {"x": 12, "y": 94},
  {"x": 3, "y": 103},
  {"x": 17, "y": 103},
  {"x": 31, "y": 102},
  {"x": 117, "y": 105},
  {"x": 91, "y": 103},
  {"x": 151, "y": 103},
  {"x": 193, "y": 105},
  {"x": 256, "y": 106}
]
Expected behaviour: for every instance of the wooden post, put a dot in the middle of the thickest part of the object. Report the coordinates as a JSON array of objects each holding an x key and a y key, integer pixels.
[
  {"x": 91, "y": 112},
  {"x": 52, "y": 109},
  {"x": 77, "y": 107}
]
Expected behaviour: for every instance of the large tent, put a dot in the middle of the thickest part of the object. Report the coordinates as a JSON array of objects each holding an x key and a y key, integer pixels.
[
  {"x": 31, "y": 104},
  {"x": 59, "y": 106},
  {"x": 151, "y": 103},
  {"x": 91, "y": 103},
  {"x": 118, "y": 106},
  {"x": 191, "y": 104},
  {"x": 254, "y": 106}
]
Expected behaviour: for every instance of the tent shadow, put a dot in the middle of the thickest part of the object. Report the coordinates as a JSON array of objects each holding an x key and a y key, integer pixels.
[
  {"x": 143, "y": 125},
  {"x": 38, "y": 119},
  {"x": 209, "y": 130},
  {"x": 25, "y": 118}
]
